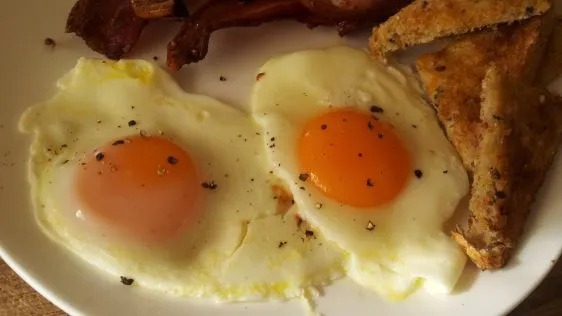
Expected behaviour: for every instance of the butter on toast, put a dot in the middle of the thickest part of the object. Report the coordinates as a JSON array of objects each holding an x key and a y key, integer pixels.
[
  {"x": 426, "y": 20},
  {"x": 452, "y": 77},
  {"x": 521, "y": 131}
]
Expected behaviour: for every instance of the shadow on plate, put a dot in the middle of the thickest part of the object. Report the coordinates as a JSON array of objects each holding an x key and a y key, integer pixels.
[{"x": 468, "y": 277}]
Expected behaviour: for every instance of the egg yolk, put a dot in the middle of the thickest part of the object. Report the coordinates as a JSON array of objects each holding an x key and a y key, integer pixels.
[
  {"x": 146, "y": 187},
  {"x": 353, "y": 158}
]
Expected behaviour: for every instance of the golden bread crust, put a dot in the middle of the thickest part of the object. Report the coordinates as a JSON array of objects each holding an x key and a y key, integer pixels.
[
  {"x": 452, "y": 77},
  {"x": 426, "y": 20},
  {"x": 521, "y": 131},
  {"x": 551, "y": 66}
]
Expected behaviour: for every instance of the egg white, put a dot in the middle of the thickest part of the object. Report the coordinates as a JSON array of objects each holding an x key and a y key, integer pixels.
[
  {"x": 93, "y": 105},
  {"x": 406, "y": 245}
]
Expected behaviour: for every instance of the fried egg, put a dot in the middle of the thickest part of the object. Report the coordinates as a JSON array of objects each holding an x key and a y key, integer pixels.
[
  {"x": 367, "y": 163},
  {"x": 166, "y": 188}
]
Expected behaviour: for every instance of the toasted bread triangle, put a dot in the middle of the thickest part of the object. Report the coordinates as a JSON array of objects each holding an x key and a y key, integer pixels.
[
  {"x": 426, "y": 20},
  {"x": 452, "y": 77},
  {"x": 521, "y": 132},
  {"x": 551, "y": 66}
]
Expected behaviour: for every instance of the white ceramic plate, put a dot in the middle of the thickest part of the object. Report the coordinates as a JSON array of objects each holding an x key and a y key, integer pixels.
[{"x": 28, "y": 71}]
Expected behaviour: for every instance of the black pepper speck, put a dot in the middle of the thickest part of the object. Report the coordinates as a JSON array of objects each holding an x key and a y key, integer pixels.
[
  {"x": 211, "y": 185},
  {"x": 49, "y": 42},
  {"x": 172, "y": 160},
  {"x": 376, "y": 109},
  {"x": 127, "y": 281},
  {"x": 100, "y": 156}
]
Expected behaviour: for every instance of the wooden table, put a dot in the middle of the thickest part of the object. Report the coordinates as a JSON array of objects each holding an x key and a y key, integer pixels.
[{"x": 17, "y": 298}]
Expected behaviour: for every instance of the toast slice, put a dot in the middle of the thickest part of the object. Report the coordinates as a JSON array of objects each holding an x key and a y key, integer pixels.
[
  {"x": 426, "y": 20},
  {"x": 452, "y": 77},
  {"x": 521, "y": 132},
  {"x": 551, "y": 66}
]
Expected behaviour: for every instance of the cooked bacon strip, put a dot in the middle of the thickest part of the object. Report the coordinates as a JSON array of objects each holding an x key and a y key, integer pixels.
[
  {"x": 109, "y": 27},
  {"x": 355, "y": 10},
  {"x": 156, "y": 9},
  {"x": 351, "y": 15},
  {"x": 113, "y": 27},
  {"x": 343, "y": 27},
  {"x": 191, "y": 43}
]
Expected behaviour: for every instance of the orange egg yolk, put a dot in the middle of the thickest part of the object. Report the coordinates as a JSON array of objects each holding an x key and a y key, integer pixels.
[
  {"x": 146, "y": 187},
  {"x": 353, "y": 158}
]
